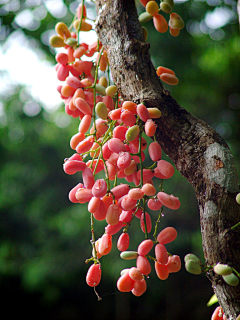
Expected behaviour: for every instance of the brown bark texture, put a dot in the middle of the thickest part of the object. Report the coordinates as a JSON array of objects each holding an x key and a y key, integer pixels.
[{"x": 197, "y": 151}]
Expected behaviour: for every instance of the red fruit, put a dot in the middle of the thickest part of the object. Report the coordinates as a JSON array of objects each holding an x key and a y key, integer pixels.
[
  {"x": 101, "y": 212},
  {"x": 83, "y": 195},
  {"x": 105, "y": 244},
  {"x": 99, "y": 188},
  {"x": 217, "y": 314},
  {"x": 128, "y": 117},
  {"x": 135, "y": 274},
  {"x": 168, "y": 201},
  {"x": 160, "y": 23},
  {"x": 120, "y": 190},
  {"x": 123, "y": 242},
  {"x": 145, "y": 247},
  {"x": 161, "y": 254},
  {"x": 174, "y": 263},
  {"x": 148, "y": 222},
  {"x": 143, "y": 265},
  {"x": 116, "y": 145},
  {"x": 142, "y": 112},
  {"x": 161, "y": 271},
  {"x": 155, "y": 151},
  {"x": 154, "y": 204},
  {"x": 167, "y": 235},
  {"x": 125, "y": 283},
  {"x": 72, "y": 193},
  {"x": 128, "y": 203},
  {"x": 73, "y": 166},
  {"x": 126, "y": 216},
  {"x": 111, "y": 230},
  {"x": 139, "y": 287},
  {"x": 88, "y": 178},
  {"x": 93, "y": 277}
]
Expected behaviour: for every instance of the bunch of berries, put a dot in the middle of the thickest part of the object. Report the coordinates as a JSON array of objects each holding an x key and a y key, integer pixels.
[
  {"x": 110, "y": 141},
  {"x": 153, "y": 10}
]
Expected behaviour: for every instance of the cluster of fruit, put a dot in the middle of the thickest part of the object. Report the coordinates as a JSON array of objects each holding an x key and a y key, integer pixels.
[
  {"x": 133, "y": 279},
  {"x": 175, "y": 22},
  {"x": 110, "y": 141}
]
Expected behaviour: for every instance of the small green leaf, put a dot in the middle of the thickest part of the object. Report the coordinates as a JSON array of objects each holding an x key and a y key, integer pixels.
[{"x": 213, "y": 300}]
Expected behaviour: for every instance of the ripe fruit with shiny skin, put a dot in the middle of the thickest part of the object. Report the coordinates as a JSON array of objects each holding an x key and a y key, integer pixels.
[{"x": 93, "y": 277}]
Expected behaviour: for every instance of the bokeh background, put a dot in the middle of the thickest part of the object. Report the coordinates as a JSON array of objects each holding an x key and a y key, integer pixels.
[{"x": 44, "y": 239}]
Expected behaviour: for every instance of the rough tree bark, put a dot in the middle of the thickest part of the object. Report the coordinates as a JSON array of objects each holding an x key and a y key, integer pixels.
[{"x": 197, "y": 151}]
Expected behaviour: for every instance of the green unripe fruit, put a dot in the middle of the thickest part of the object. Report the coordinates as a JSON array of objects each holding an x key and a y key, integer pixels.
[
  {"x": 124, "y": 271},
  {"x": 145, "y": 33},
  {"x": 176, "y": 22},
  {"x": 101, "y": 110},
  {"x": 71, "y": 42},
  {"x": 222, "y": 269},
  {"x": 170, "y": 2},
  {"x": 56, "y": 42},
  {"x": 100, "y": 89},
  {"x": 231, "y": 279},
  {"x": 144, "y": 17},
  {"x": 165, "y": 7},
  {"x": 193, "y": 267},
  {"x": 238, "y": 198},
  {"x": 111, "y": 90},
  {"x": 93, "y": 71},
  {"x": 129, "y": 255},
  {"x": 132, "y": 133},
  {"x": 191, "y": 256},
  {"x": 238, "y": 317}
]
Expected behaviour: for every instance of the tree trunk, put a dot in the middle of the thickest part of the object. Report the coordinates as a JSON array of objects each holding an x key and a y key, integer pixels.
[{"x": 197, "y": 151}]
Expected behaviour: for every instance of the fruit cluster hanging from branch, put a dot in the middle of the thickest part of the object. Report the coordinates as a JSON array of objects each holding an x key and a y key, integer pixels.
[{"x": 111, "y": 140}]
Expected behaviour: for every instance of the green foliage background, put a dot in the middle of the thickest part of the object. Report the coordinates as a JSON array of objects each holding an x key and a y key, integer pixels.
[{"x": 44, "y": 238}]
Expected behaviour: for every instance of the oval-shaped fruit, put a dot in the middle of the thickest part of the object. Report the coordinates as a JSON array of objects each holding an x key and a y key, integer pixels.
[
  {"x": 169, "y": 79},
  {"x": 105, "y": 244},
  {"x": 111, "y": 90},
  {"x": 174, "y": 263},
  {"x": 129, "y": 255},
  {"x": 123, "y": 242},
  {"x": 176, "y": 22},
  {"x": 193, "y": 267},
  {"x": 231, "y": 279},
  {"x": 161, "y": 253},
  {"x": 167, "y": 235},
  {"x": 152, "y": 8},
  {"x": 143, "y": 265},
  {"x": 145, "y": 247},
  {"x": 238, "y": 198},
  {"x": 155, "y": 151},
  {"x": 222, "y": 269},
  {"x": 144, "y": 17},
  {"x": 154, "y": 113},
  {"x": 165, "y": 7},
  {"x": 101, "y": 110},
  {"x": 93, "y": 277},
  {"x": 160, "y": 23},
  {"x": 135, "y": 274},
  {"x": 125, "y": 283},
  {"x": 62, "y": 30},
  {"x": 161, "y": 270},
  {"x": 56, "y": 42},
  {"x": 191, "y": 256},
  {"x": 132, "y": 133}
]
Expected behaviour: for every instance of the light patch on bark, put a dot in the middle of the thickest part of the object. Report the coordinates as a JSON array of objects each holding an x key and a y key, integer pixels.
[
  {"x": 221, "y": 168},
  {"x": 210, "y": 209}
]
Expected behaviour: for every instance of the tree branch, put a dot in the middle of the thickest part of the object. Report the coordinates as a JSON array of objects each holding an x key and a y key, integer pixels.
[{"x": 197, "y": 151}]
